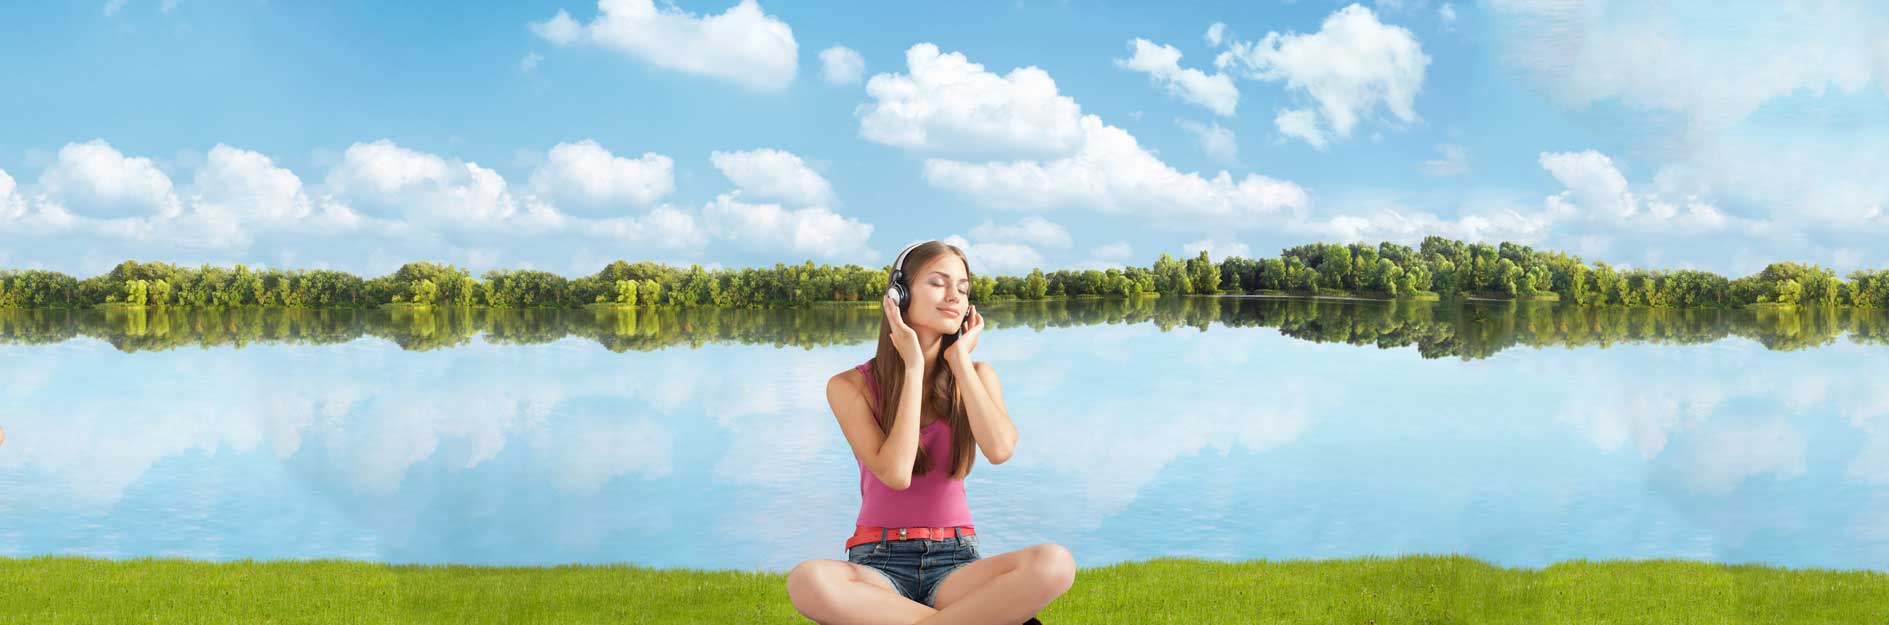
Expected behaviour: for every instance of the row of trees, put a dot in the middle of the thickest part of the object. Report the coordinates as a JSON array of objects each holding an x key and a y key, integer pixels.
[
  {"x": 1437, "y": 329},
  {"x": 1440, "y": 267},
  {"x": 1453, "y": 269}
]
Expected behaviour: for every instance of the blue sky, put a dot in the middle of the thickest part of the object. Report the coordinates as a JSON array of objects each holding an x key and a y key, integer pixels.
[{"x": 563, "y": 135}]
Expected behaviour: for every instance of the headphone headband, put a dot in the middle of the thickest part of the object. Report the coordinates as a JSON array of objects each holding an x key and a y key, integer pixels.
[{"x": 899, "y": 263}]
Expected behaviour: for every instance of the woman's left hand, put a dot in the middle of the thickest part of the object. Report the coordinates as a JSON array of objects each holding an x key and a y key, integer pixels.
[{"x": 973, "y": 328}]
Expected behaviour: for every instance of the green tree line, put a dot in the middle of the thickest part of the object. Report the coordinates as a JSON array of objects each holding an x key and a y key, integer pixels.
[
  {"x": 1466, "y": 330},
  {"x": 1439, "y": 268}
]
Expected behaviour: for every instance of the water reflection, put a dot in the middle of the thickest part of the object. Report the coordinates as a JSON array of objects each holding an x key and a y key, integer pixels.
[
  {"x": 1263, "y": 434},
  {"x": 1437, "y": 330}
]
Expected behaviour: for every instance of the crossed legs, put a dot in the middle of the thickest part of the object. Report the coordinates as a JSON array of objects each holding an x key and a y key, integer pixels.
[{"x": 1005, "y": 588}]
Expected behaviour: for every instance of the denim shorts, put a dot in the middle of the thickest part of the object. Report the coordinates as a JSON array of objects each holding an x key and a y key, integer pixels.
[{"x": 916, "y": 566}]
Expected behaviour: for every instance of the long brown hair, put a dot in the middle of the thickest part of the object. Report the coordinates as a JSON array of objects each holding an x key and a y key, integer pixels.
[{"x": 941, "y": 391}]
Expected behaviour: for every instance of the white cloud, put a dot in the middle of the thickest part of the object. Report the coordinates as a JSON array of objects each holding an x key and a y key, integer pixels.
[
  {"x": 112, "y": 6},
  {"x": 1216, "y": 33},
  {"x": 93, "y": 179},
  {"x": 743, "y": 44},
  {"x": 584, "y": 178},
  {"x": 1162, "y": 64},
  {"x": 237, "y": 181},
  {"x": 1373, "y": 216},
  {"x": 12, "y": 206},
  {"x": 1765, "y": 108},
  {"x": 234, "y": 193},
  {"x": 951, "y": 106},
  {"x": 1302, "y": 124},
  {"x": 1009, "y": 259},
  {"x": 1446, "y": 14},
  {"x": 385, "y": 181},
  {"x": 1030, "y": 229},
  {"x": 1216, "y": 249},
  {"x": 1215, "y": 140},
  {"x": 1454, "y": 162},
  {"x": 385, "y": 168},
  {"x": 1350, "y": 67},
  {"x": 774, "y": 174},
  {"x": 560, "y": 29},
  {"x": 530, "y": 62},
  {"x": 1592, "y": 181},
  {"x": 1112, "y": 173},
  {"x": 378, "y": 197},
  {"x": 1714, "y": 64},
  {"x": 1597, "y": 190},
  {"x": 664, "y": 226},
  {"x": 841, "y": 65},
  {"x": 1826, "y": 184},
  {"x": 813, "y": 231}
]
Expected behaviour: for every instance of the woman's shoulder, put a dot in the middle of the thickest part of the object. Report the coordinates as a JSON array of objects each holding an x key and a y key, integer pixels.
[
  {"x": 846, "y": 385},
  {"x": 851, "y": 377}
]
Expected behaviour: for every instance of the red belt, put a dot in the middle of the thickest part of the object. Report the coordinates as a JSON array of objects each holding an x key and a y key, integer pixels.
[{"x": 868, "y": 534}]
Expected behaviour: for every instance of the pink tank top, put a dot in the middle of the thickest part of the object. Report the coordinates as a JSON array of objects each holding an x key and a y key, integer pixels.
[{"x": 933, "y": 499}]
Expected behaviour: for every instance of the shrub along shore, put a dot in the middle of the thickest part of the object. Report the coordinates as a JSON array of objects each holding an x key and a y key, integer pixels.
[
  {"x": 1438, "y": 269},
  {"x": 1408, "y": 589}
]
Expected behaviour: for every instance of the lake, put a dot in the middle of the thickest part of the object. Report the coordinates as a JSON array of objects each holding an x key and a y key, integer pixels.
[{"x": 1225, "y": 428}]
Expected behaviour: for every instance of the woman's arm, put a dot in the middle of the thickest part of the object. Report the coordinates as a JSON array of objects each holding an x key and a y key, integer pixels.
[
  {"x": 887, "y": 455},
  {"x": 984, "y": 401}
]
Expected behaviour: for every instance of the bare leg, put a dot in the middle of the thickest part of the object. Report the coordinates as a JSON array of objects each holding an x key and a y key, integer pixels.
[
  {"x": 1007, "y": 588},
  {"x": 837, "y": 592}
]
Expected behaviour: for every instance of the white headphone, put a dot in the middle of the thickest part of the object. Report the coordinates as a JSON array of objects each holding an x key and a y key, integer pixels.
[{"x": 896, "y": 288}]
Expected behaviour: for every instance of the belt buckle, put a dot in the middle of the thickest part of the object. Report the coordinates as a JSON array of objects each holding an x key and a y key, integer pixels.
[{"x": 901, "y": 533}]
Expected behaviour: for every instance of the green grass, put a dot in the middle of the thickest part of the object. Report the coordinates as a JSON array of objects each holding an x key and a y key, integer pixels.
[{"x": 1411, "y": 589}]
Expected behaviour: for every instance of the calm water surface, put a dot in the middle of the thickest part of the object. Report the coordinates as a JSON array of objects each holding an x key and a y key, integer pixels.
[{"x": 1221, "y": 428}]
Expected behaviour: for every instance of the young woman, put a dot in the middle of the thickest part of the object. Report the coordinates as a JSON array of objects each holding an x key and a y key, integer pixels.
[{"x": 913, "y": 556}]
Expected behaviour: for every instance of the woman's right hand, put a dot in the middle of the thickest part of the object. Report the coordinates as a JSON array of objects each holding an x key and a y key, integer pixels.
[{"x": 903, "y": 337}]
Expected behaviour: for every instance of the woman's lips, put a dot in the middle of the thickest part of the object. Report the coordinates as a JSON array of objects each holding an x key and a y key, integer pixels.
[{"x": 949, "y": 311}]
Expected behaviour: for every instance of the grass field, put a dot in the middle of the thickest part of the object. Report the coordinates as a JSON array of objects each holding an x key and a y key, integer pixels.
[{"x": 1411, "y": 589}]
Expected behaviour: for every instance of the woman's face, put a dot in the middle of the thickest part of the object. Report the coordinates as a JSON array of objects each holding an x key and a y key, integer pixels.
[{"x": 941, "y": 295}]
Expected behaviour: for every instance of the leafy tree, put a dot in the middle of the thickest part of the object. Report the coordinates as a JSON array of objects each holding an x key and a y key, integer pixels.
[
  {"x": 1334, "y": 267},
  {"x": 1508, "y": 276},
  {"x": 1789, "y": 291},
  {"x": 1035, "y": 286},
  {"x": 423, "y": 292},
  {"x": 1272, "y": 274},
  {"x": 134, "y": 292},
  {"x": 1170, "y": 276},
  {"x": 1203, "y": 277}
]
